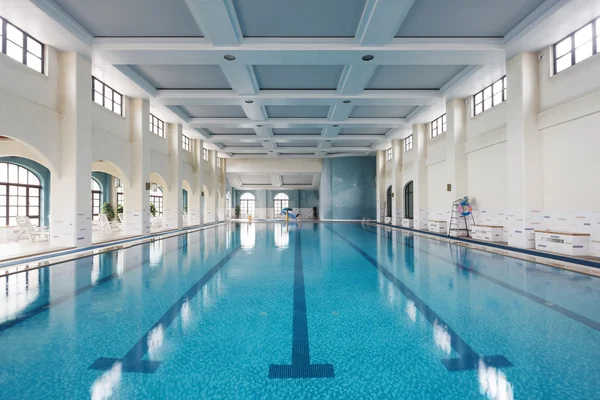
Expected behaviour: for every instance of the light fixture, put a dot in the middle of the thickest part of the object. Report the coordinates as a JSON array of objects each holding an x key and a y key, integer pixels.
[
  {"x": 249, "y": 101},
  {"x": 346, "y": 101},
  {"x": 368, "y": 57},
  {"x": 260, "y": 126},
  {"x": 336, "y": 126},
  {"x": 230, "y": 57}
]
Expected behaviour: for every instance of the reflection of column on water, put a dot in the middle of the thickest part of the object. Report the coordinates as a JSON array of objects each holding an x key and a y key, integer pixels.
[
  {"x": 248, "y": 236},
  {"x": 493, "y": 383},
  {"x": 95, "y": 273},
  {"x": 411, "y": 311},
  {"x": 120, "y": 263},
  {"x": 156, "y": 252},
  {"x": 281, "y": 235},
  {"x": 192, "y": 310},
  {"x": 156, "y": 340},
  {"x": 107, "y": 384},
  {"x": 442, "y": 338},
  {"x": 18, "y": 292}
]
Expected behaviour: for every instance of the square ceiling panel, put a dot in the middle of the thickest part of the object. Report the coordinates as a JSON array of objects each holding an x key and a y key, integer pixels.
[
  {"x": 133, "y": 17},
  {"x": 296, "y": 144},
  {"x": 413, "y": 76},
  {"x": 381, "y": 111},
  {"x": 240, "y": 144},
  {"x": 465, "y": 18},
  {"x": 275, "y": 77},
  {"x": 214, "y": 111},
  {"x": 218, "y": 130},
  {"x": 351, "y": 143},
  {"x": 299, "y": 18},
  {"x": 297, "y": 179},
  {"x": 364, "y": 131},
  {"x": 255, "y": 179},
  {"x": 297, "y": 131},
  {"x": 297, "y": 111},
  {"x": 184, "y": 76}
]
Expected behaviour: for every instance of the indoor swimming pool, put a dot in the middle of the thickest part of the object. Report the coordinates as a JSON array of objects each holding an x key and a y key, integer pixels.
[{"x": 311, "y": 311}]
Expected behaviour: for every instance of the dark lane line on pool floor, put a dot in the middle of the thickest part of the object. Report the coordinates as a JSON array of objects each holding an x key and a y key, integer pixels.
[
  {"x": 301, "y": 366},
  {"x": 132, "y": 362},
  {"x": 539, "y": 300},
  {"x": 468, "y": 358}
]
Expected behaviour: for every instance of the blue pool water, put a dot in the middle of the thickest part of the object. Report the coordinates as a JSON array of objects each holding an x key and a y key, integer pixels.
[{"x": 312, "y": 311}]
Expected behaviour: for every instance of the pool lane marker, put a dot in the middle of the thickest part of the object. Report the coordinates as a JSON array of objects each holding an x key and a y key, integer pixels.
[
  {"x": 132, "y": 362},
  {"x": 590, "y": 323},
  {"x": 301, "y": 366},
  {"x": 468, "y": 358}
]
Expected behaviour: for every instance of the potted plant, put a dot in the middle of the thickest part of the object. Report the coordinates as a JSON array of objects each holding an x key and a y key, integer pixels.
[
  {"x": 237, "y": 212},
  {"x": 120, "y": 209},
  {"x": 109, "y": 211},
  {"x": 152, "y": 210}
]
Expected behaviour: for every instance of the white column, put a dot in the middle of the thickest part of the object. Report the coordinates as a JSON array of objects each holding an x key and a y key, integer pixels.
[
  {"x": 195, "y": 199},
  {"x": 397, "y": 182},
  {"x": 523, "y": 149},
  {"x": 71, "y": 203},
  {"x": 216, "y": 186},
  {"x": 420, "y": 133},
  {"x": 174, "y": 197},
  {"x": 456, "y": 164},
  {"x": 380, "y": 196},
  {"x": 136, "y": 207}
]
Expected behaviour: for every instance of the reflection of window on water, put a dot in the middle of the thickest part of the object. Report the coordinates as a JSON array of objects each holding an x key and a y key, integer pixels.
[
  {"x": 95, "y": 274},
  {"x": 247, "y": 236},
  {"x": 19, "y": 290},
  {"x": 493, "y": 383},
  {"x": 281, "y": 236},
  {"x": 156, "y": 252}
]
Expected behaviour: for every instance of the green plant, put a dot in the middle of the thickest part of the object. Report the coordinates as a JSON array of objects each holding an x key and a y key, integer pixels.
[
  {"x": 120, "y": 209},
  {"x": 109, "y": 211},
  {"x": 152, "y": 210},
  {"x": 238, "y": 211}
]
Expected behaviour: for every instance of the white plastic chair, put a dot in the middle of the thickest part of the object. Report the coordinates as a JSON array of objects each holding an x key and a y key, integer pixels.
[
  {"x": 106, "y": 225},
  {"x": 33, "y": 232}
]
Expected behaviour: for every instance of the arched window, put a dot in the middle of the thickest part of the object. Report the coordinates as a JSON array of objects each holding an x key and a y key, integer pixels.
[
  {"x": 408, "y": 200},
  {"x": 156, "y": 198},
  {"x": 247, "y": 204},
  {"x": 20, "y": 191},
  {"x": 96, "y": 199},
  {"x": 388, "y": 202},
  {"x": 281, "y": 201}
]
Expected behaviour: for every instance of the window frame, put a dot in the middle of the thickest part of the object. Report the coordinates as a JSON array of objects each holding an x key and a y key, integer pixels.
[
  {"x": 157, "y": 200},
  {"x": 492, "y": 97},
  {"x": 281, "y": 199},
  {"x": 96, "y": 195},
  {"x": 218, "y": 162},
  {"x": 388, "y": 154},
  {"x": 103, "y": 95},
  {"x": 26, "y": 37},
  {"x": 408, "y": 144},
  {"x": 157, "y": 126},
  {"x": 185, "y": 143},
  {"x": 435, "y": 126},
  {"x": 204, "y": 154},
  {"x": 595, "y": 45},
  {"x": 28, "y": 196},
  {"x": 247, "y": 204}
]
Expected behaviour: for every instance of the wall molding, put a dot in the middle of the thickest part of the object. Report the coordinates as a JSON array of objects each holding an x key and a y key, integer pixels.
[
  {"x": 487, "y": 139},
  {"x": 570, "y": 110}
]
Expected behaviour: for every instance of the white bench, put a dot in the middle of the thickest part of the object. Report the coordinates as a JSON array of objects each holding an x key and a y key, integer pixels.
[
  {"x": 569, "y": 243},
  {"x": 437, "y": 226},
  {"x": 407, "y": 223},
  {"x": 489, "y": 233}
]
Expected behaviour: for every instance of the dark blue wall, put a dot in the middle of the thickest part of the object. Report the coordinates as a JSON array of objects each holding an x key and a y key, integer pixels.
[
  {"x": 105, "y": 182},
  {"x": 44, "y": 174},
  {"x": 347, "y": 190}
]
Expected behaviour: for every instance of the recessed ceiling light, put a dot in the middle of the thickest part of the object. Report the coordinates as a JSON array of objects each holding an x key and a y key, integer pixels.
[
  {"x": 229, "y": 57},
  {"x": 260, "y": 126},
  {"x": 249, "y": 101},
  {"x": 336, "y": 126},
  {"x": 346, "y": 101},
  {"x": 368, "y": 57}
]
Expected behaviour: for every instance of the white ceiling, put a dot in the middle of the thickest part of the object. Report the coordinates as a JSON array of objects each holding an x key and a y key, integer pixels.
[{"x": 298, "y": 63}]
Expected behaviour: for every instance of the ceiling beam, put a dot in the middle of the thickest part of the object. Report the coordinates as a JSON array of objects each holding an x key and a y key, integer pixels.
[
  {"x": 294, "y": 138},
  {"x": 380, "y": 21},
  {"x": 308, "y": 150},
  {"x": 217, "y": 20},
  {"x": 355, "y": 78},
  {"x": 241, "y": 78},
  {"x": 298, "y": 122},
  {"x": 275, "y": 180}
]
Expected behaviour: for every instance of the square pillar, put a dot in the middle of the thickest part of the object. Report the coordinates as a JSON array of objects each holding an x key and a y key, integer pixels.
[
  {"x": 420, "y": 132},
  {"x": 523, "y": 149},
  {"x": 174, "y": 196},
  {"x": 456, "y": 162},
  {"x": 195, "y": 199},
  {"x": 380, "y": 196},
  {"x": 396, "y": 182},
  {"x": 71, "y": 198},
  {"x": 136, "y": 207}
]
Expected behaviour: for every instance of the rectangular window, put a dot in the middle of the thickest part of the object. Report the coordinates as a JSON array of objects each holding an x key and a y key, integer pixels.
[
  {"x": 19, "y": 46},
  {"x": 205, "y": 154},
  {"x": 157, "y": 126},
  {"x": 490, "y": 96},
  {"x": 579, "y": 45},
  {"x": 389, "y": 154},
  {"x": 218, "y": 162},
  {"x": 408, "y": 143},
  {"x": 185, "y": 142},
  {"x": 438, "y": 126},
  {"x": 106, "y": 96}
]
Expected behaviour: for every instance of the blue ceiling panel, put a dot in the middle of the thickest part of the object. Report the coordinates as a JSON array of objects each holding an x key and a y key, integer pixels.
[
  {"x": 297, "y": 111},
  {"x": 464, "y": 18},
  {"x": 413, "y": 76},
  {"x": 214, "y": 111},
  {"x": 184, "y": 76},
  {"x": 299, "y": 18},
  {"x": 133, "y": 17},
  {"x": 381, "y": 111},
  {"x": 297, "y": 131},
  {"x": 298, "y": 76}
]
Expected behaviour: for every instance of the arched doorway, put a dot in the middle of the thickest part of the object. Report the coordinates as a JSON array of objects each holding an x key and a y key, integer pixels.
[
  {"x": 388, "y": 202},
  {"x": 20, "y": 194},
  {"x": 247, "y": 204},
  {"x": 156, "y": 199},
  {"x": 96, "y": 199},
  {"x": 408, "y": 200}
]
